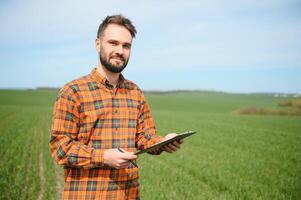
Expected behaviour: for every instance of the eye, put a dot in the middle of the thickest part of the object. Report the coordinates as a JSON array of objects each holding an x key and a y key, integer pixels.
[{"x": 127, "y": 46}]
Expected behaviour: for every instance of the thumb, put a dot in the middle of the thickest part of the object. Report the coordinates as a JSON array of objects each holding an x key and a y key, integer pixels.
[{"x": 169, "y": 136}]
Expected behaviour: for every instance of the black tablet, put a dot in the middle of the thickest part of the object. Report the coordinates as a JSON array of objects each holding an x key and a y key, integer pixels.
[{"x": 161, "y": 144}]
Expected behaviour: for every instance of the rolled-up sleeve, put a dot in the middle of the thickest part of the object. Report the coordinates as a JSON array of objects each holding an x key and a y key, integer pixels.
[
  {"x": 64, "y": 145},
  {"x": 146, "y": 131}
]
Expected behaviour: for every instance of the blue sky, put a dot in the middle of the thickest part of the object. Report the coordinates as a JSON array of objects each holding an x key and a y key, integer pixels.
[{"x": 232, "y": 46}]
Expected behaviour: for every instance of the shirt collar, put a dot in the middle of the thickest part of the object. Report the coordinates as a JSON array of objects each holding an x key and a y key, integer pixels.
[{"x": 97, "y": 77}]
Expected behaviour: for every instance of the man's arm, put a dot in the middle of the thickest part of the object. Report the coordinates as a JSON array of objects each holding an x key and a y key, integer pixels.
[
  {"x": 64, "y": 146},
  {"x": 146, "y": 132}
]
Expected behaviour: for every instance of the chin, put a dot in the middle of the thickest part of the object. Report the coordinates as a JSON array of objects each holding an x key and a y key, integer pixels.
[{"x": 117, "y": 65}]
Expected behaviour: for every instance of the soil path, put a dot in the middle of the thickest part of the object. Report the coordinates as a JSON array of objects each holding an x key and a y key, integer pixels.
[
  {"x": 59, "y": 181},
  {"x": 42, "y": 177}
]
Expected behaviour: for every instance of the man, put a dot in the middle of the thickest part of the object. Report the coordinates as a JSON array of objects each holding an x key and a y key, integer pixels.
[{"x": 99, "y": 120}]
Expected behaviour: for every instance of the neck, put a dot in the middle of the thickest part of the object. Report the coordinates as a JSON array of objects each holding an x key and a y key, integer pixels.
[{"x": 111, "y": 77}]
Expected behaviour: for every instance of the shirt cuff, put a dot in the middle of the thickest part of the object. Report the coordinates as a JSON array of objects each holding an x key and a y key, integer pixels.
[
  {"x": 98, "y": 157},
  {"x": 156, "y": 139}
]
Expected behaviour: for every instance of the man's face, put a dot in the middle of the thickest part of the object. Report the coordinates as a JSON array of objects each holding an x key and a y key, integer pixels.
[{"x": 114, "y": 48}]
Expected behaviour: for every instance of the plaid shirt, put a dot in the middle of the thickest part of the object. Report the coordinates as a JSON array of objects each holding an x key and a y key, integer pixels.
[{"x": 89, "y": 117}]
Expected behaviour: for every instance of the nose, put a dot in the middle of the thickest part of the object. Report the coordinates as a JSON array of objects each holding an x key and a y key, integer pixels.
[{"x": 119, "y": 49}]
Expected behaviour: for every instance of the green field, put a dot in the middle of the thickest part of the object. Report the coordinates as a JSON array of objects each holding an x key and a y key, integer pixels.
[{"x": 231, "y": 156}]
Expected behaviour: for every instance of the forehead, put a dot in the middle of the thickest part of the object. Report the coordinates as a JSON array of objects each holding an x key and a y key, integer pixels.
[{"x": 118, "y": 33}]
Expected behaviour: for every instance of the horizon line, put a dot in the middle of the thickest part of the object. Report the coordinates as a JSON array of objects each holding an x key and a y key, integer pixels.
[{"x": 166, "y": 91}]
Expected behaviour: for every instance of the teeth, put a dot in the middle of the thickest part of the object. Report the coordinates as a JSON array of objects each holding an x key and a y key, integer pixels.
[{"x": 118, "y": 59}]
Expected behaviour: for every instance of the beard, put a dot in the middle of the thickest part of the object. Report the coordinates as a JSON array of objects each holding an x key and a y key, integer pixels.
[{"x": 110, "y": 66}]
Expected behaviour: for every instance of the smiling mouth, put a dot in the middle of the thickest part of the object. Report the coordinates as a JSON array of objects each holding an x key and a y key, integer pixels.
[{"x": 118, "y": 59}]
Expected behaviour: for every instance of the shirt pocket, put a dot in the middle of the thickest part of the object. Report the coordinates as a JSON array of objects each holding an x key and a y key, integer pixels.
[
  {"x": 89, "y": 121},
  {"x": 133, "y": 110}
]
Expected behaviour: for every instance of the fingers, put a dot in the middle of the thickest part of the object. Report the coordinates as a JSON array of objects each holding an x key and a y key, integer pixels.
[
  {"x": 125, "y": 158},
  {"x": 177, "y": 144},
  {"x": 127, "y": 155},
  {"x": 122, "y": 164},
  {"x": 173, "y": 147},
  {"x": 170, "y": 148},
  {"x": 118, "y": 158},
  {"x": 167, "y": 149}
]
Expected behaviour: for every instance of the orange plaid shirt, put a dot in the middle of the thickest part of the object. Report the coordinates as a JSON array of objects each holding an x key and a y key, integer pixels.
[{"x": 91, "y": 116}]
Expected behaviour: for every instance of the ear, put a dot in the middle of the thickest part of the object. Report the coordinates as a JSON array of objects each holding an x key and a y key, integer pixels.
[{"x": 97, "y": 44}]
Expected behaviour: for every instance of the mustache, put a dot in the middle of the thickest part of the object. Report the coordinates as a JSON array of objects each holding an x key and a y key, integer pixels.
[{"x": 118, "y": 56}]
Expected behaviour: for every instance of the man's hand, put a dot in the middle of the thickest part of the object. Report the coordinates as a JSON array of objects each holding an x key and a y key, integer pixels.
[
  {"x": 116, "y": 159},
  {"x": 171, "y": 147}
]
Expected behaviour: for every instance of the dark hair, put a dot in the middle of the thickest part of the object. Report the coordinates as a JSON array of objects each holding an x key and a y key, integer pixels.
[{"x": 119, "y": 20}]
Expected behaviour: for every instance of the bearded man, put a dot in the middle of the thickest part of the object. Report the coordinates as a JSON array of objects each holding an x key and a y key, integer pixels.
[{"x": 101, "y": 119}]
